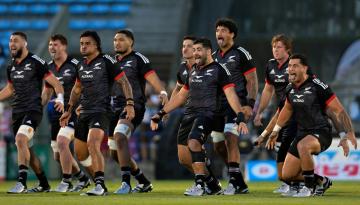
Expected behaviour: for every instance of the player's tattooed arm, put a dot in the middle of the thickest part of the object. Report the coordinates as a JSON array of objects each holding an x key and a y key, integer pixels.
[
  {"x": 123, "y": 82},
  {"x": 252, "y": 85},
  {"x": 339, "y": 128},
  {"x": 345, "y": 121}
]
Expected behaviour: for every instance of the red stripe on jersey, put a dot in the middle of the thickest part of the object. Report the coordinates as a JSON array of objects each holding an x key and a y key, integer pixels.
[
  {"x": 78, "y": 80},
  {"x": 328, "y": 101},
  {"x": 228, "y": 86},
  {"x": 9, "y": 81},
  {"x": 120, "y": 75},
  {"x": 186, "y": 87},
  {"x": 149, "y": 73},
  {"x": 250, "y": 71},
  {"x": 267, "y": 81},
  {"x": 47, "y": 74}
]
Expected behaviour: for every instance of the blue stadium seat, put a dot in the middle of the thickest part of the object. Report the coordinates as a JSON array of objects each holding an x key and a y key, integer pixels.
[
  {"x": 40, "y": 24},
  {"x": 78, "y": 24},
  {"x": 4, "y": 25},
  {"x": 99, "y": 9},
  {"x": 3, "y": 9},
  {"x": 97, "y": 24},
  {"x": 53, "y": 9},
  {"x": 78, "y": 9},
  {"x": 120, "y": 9},
  {"x": 18, "y": 9},
  {"x": 116, "y": 24},
  {"x": 38, "y": 9},
  {"x": 21, "y": 24}
]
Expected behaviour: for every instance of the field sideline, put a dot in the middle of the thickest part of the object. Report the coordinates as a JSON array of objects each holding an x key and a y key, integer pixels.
[{"x": 171, "y": 192}]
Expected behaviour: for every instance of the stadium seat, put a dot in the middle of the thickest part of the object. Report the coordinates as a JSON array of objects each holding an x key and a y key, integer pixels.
[
  {"x": 3, "y": 9},
  {"x": 18, "y": 9},
  {"x": 53, "y": 9},
  {"x": 120, "y": 9},
  {"x": 38, "y": 9},
  {"x": 39, "y": 24},
  {"x": 116, "y": 24},
  {"x": 20, "y": 24},
  {"x": 78, "y": 9},
  {"x": 5, "y": 25},
  {"x": 77, "y": 24},
  {"x": 99, "y": 9}
]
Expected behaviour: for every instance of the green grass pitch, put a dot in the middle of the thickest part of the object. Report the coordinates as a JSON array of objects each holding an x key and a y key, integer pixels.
[{"x": 171, "y": 192}]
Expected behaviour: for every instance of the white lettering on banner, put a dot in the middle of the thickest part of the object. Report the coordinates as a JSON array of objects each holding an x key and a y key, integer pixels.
[{"x": 334, "y": 164}]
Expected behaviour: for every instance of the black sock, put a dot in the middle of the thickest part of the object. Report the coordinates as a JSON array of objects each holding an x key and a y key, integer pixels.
[
  {"x": 23, "y": 173},
  {"x": 309, "y": 178},
  {"x": 66, "y": 178},
  {"x": 99, "y": 178},
  {"x": 199, "y": 179},
  {"x": 139, "y": 175},
  {"x": 208, "y": 167},
  {"x": 125, "y": 171},
  {"x": 43, "y": 180},
  {"x": 81, "y": 176},
  {"x": 236, "y": 177},
  {"x": 212, "y": 182}
]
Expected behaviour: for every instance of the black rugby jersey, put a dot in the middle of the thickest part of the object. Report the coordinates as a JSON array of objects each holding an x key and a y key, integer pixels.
[
  {"x": 27, "y": 79},
  {"x": 97, "y": 78},
  {"x": 182, "y": 73},
  {"x": 136, "y": 67},
  {"x": 66, "y": 74},
  {"x": 309, "y": 102},
  {"x": 277, "y": 76},
  {"x": 240, "y": 63},
  {"x": 206, "y": 87}
]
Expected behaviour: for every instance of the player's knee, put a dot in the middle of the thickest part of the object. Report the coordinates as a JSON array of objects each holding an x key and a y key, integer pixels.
[
  {"x": 303, "y": 147},
  {"x": 21, "y": 141},
  {"x": 194, "y": 145},
  {"x": 63, "y": 143},
  {"x": 198, "y": 156}
]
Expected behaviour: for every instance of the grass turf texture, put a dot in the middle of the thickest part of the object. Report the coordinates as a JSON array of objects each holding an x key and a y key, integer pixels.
[{"x": 171, "y": 192}]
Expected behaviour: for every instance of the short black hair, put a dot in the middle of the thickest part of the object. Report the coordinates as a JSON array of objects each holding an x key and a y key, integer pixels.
[
  {"x": 128, "y": 34},
  {"x": 229, "y": 24},
  {"x": 60, "y": 38},
  {"x": 189, "y": 37},
  {"x": 93, "y": 35},
  {"x": 206, "y": 43},
  {"x": 19, "y": 33},
  {"x": 301, "y": 57}
]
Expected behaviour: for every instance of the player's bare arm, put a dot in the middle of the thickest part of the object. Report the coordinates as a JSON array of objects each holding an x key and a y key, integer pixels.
[
  {"x": 59, "y": 90},
  {"x": 6, "y": 92},
  {"x": 123, "y": 82},
  {"x": 266, "y": 96},
  {"x": 174, "y": 103},
  {"x": 74, "y": 98},
  {"x": 155, "y": 82},
  {"x": 283, "y": 118},
  {"x": 345, "y": 124}
]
